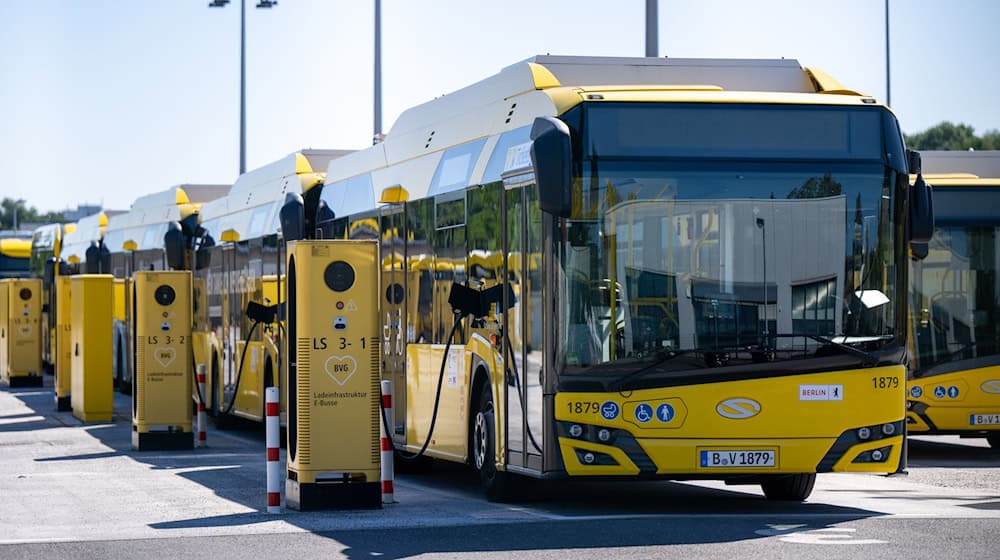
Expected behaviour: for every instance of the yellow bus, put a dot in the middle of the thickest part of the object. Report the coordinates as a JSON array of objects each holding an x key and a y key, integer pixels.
[
  {"x": 954, "y": 376},
  {"x": 46, "y": 263},
  {"x": 135, "y": 241},
  {"x": 235, "y": 257},
  {"x": 15, "y": 257},
  {"x": 716, "y": 258}
]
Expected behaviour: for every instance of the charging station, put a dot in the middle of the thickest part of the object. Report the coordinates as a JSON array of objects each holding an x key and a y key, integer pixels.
[
  {"x": 161, "y": 391},
  {"x": 21, "y": 332},
  {"x": 63, "y": 355},
  {"x": 91, "y": 391},
  {"x": 333, "y": 375}
]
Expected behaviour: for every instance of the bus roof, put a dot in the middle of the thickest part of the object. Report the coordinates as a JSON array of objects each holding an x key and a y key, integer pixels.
[
  {"x": 89, "y": 229},
  {"x": 146, "y": 222},
  {"x": 548, "y": 86},
  {"x": 251, "y": 207},
  {"x": 958, "y": 167},
  {"x": 16, "y": 247}
]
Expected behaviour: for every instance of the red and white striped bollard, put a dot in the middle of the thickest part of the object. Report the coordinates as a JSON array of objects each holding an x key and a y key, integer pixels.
[
  {"x": 202, "y": 421},
  {"x": 386, "y": 457},
  {"x": 272, "y": 438}
]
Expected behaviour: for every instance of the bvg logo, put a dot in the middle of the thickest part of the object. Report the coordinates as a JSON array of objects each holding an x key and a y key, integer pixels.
[
  {"x": 992, "y": 386},
  {"x": 738, "y": 409}
]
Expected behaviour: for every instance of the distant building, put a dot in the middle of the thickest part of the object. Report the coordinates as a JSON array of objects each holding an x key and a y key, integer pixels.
[{"x": 81, "y": 211}]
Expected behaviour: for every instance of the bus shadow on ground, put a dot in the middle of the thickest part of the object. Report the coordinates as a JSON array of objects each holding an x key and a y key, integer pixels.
[
  {"x": 944, "y": 453},
  {"x": 444, "y": 510}
]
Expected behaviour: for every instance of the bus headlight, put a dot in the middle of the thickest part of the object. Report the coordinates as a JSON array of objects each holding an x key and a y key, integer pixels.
[
  {"x": 588, "y": 458},
  {"x": 864, "y": 433},
  {"x": 888, "y": 429},
  {"x": 576, "y": 430},
  {"x": 604, "y": 434}
]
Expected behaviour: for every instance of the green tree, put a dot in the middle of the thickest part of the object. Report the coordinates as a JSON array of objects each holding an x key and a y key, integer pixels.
[
  {"x": 817, "y": 188},
  {"x": 24, "y": 213},
  {"x": 949, "y": 136}
]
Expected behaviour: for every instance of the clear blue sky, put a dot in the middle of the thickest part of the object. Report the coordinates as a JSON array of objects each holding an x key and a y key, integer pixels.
[{"x": 105, "y": 100}]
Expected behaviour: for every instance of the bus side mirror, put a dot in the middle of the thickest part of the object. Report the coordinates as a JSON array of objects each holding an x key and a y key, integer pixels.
[
  {"x": 293, "y": 217},
  {"x": 174, "y": 247},
  {"x": 921, "y": 212},
  {"x": 49, "y": 274},
  {"x": 93, "y": 256},
  {"x": 552, "y": 160}
]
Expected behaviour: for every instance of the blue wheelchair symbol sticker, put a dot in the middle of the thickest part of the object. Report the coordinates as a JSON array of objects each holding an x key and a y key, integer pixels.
[
  {"x": 953, "y": 392},
  {"x": 644, "y": 413},
  {"x": 939, "y": 392},
  {"x": 609, "y": 410},
  {"x": 916, "y": 392},
  {"x": 665, "y": 413}
]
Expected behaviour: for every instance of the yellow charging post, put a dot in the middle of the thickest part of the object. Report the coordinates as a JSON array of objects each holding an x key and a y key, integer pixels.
[
  {"x": 20, "y": 332},
  {"x": 161, "y": 391},
  {"x": 91, "y": 393},
  {"x": 333, "y": 375},
  {"x": 63, "y": 347}
]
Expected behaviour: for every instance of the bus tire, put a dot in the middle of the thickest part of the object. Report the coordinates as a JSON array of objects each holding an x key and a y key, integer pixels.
[
  {"x": 994, "y": 440},
  {"x": 497, "y": 485},
  {"x": 789, "y": 488}
]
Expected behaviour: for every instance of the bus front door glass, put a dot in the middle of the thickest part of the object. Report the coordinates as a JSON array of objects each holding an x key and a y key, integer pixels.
[
  {"x": 394, "y": 297},
  {"x": 956, "y": 300}
]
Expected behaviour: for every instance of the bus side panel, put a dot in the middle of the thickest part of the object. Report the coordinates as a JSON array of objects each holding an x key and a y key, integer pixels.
[{"x": 423, "y": 367}]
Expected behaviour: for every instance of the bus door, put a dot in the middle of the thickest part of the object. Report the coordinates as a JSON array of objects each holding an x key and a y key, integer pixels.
[
  {"x": 394, "y": 295},
  {"x": 230, "y": 327},
  {"x": 522, "y": 323}
]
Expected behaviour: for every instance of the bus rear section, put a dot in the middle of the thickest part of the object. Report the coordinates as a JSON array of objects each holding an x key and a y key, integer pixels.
[{"x": 954, "y": 385}]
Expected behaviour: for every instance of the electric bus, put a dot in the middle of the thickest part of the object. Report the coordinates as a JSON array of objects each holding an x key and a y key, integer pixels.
[
  {"x": 716, "y": 255},
  {"x": 954, "y": 378},
  {"x": 235, "y": 258},
  {"x": 15, "y": 257},
  {"x": 135, "y": 242},
  {"x": 46, "y": 263}
]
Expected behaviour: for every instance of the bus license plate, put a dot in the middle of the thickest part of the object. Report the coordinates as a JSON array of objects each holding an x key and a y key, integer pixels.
[
  {"x": 711, "y": 458},
  {"x": 984, "y": 419}
]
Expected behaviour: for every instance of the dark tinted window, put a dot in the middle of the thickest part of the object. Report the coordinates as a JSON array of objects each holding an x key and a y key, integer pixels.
[{"x": 737, "y": 131}]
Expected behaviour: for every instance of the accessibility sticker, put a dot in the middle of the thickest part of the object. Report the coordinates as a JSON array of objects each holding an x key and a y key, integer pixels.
[
  {"x": 609, "y": 410},
  {"x": 644, "y": 413},
  {"x": 665, "y": 413}
]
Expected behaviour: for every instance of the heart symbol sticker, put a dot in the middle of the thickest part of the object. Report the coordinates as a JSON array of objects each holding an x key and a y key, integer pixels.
[
  {"x": 24, "y": 330},
  {"x": 165, "y": 356},
  {"x": 340, "y": 368}
]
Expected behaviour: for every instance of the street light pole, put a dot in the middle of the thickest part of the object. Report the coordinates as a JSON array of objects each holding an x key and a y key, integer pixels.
[
  {"x": 377, "y": 134},
  {"x": 243, "y": 71},
  {"x": 652, "y": 28}
]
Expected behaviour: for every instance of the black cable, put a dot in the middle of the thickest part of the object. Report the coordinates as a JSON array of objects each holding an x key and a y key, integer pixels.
[
  {"x": 437, "y": 400},
  {"x": 239, "y": 369}
]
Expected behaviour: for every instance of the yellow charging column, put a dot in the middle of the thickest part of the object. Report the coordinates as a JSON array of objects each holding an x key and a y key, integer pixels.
[
  {"x": 21, "y": 332},
  {"x": 333, "y": 375},
  {"x": 63, "y": 353},
  {"x": 161, "y": 391},
  {"x": 91, "y": 393}
]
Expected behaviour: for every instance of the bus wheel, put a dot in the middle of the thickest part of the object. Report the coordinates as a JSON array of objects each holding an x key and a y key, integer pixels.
[
  {"x": 497, "y": 485},
  {"x": 789, "y": 488},
  {"x": 994, "y": 440}
]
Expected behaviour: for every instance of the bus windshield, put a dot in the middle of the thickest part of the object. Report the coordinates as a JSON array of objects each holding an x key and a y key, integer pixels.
[
  {"x": 956, "y": 292},
  {"x": 688, "y": 265}
]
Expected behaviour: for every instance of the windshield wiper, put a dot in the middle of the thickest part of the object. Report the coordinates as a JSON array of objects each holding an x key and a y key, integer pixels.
[
  {"x": 868, "y": 359},
  {"x": 641, "y": 372}
]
